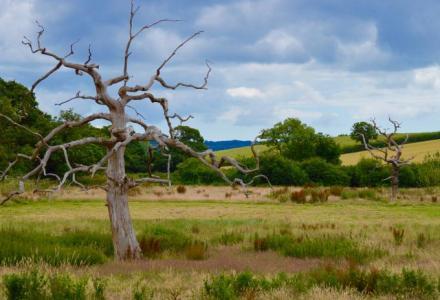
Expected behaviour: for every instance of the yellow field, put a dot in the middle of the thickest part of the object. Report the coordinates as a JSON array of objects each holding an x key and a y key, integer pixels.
[
  {"x": 419, "y": 150},
  {"x": 241, "y": 151}
]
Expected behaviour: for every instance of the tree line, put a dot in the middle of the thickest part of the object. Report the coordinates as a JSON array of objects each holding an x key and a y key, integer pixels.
[{"x": 296, "y": 155}]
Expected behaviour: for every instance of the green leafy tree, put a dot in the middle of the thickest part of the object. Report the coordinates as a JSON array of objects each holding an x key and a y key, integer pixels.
[
  {"x": 18, "y": 103},
  {"x": 187, "y": 135},
  {"x": 297, "y": 141},
  {"x": 363, "y": 128}
]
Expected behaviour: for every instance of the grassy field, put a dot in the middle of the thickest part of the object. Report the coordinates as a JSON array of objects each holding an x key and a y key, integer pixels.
[
  {"x": 217, "y": 248},
  {"x": 419, "y": 150}
]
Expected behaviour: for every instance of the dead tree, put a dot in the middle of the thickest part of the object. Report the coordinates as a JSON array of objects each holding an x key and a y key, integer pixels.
[
  {"x": 121, "y": 132},
  {"x": 390, "y": 154}
]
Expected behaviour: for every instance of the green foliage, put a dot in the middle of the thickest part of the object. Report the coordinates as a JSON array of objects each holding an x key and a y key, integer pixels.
[
  {"x": 297, "y": 141},
  {"x": 19, "y": 104},
  {"x": 321, "y": 172},
  {"x": 370, "y": 172},
  {"x": 428, "y": 172},
  {"x": 75, "y": 248},
  {"x": 282, "y": 171},
  {"x": 187, "y": 135},
  {"x": 32, "y": 285},
  {"x": 27, "y": 286},
  {"x": 192, "y": 171},
  {"x": 406, "y": 284},
  {"x": 157, "y": 239},
  {"x": 363, "y": 128}
]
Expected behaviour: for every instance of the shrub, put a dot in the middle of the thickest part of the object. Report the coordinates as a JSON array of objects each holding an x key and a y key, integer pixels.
[
  {"x": 369, "y": 194},
  {"x": 321, "y": 172},
  {"x": 428, "y": 172},
  {"x": 32, "y": 284},
  {"x": 192, "y": 171},
  {"x": 336, "y": 190},
  {"x": 298, "y": 196},
  {"x": 26, "y": 286},
  {"x": 280, "y": 170},
  {"x": 196, "y": 250},
  {"x": 318, "y": 195},
  {"x": 374, "y": 282},
  {"x": 370, "y": 172},
  {"x": 159, "y": 238},
  {"x": 349, "y": 194},
  {"x": 181, "y": 189},
  {"x": 64, "y": 287}
]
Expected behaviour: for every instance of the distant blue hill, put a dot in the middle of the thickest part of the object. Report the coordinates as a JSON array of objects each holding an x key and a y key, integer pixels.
[{"x": 223, "y": 145}]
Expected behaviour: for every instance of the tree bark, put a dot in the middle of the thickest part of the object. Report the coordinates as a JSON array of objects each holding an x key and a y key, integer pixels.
[
  {"x": 125, "y": 243},
  {"x": 394, "y": 182}
]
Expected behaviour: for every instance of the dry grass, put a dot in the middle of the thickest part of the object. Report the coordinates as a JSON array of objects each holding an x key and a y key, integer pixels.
[{"x": 368, "y": 222}]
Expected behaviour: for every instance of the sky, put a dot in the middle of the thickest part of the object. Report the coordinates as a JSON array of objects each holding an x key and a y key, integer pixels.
[{"x": 330, "y": 63}]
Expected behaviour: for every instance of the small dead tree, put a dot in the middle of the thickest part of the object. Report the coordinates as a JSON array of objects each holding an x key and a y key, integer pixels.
[
  {"x": 121, "y": 132},
  {"x": 390, "y": 154}
]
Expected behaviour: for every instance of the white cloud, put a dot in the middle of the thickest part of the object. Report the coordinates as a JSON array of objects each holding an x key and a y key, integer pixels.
[
  {"x": 245, "y": 92},
  {"x": 17, "y": 19},
  {"x": 365, "y": 52},
  {"x": 279, "y": 43},
  {"x": 282, "y": 112},
  {"x": 234, "y": 15},
  {"x": 428, "y": 77}
]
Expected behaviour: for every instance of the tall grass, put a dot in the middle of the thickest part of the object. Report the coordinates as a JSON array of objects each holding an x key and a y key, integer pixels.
[
  {"x": 74, "y": 248},
  {"x": 336, "y": 246}
]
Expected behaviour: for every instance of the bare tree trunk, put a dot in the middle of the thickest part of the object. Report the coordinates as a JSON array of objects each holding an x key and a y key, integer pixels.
[
  {"x": 394, "y": 182},
  {"x": 125, "y": 243}
]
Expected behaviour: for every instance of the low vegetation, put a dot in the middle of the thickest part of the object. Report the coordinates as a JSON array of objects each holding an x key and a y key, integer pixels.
[{"x": 227, "y": 250}]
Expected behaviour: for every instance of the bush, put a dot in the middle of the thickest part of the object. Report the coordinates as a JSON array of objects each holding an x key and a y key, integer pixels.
[
  {"x": 349, "y": 194},
  {"x": 158, "y": 239},
  {"x": 32, "y": 285},
  {"x": 280, "y": 170},
  {"x": 370, "y": 172},
  {"x": 369, "y": 194},
  {"x": 321, "y": 172},
  {"x": 181, "y": 189},
  {"x": 192, "y": 171},
  {"x": 428, "y": 172},
  {"x": 406, "y": 284},
  {"x": 298, "y": 196},
  {"x": 336, "y": 190},
  {"x": 319, "y": 195}
]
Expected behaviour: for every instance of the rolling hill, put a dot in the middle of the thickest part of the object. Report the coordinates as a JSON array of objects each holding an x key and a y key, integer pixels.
[{"x": 419, "y": 150}]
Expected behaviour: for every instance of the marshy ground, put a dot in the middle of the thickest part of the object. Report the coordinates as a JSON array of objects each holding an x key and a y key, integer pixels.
[{"x": 216, "y": 243}]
